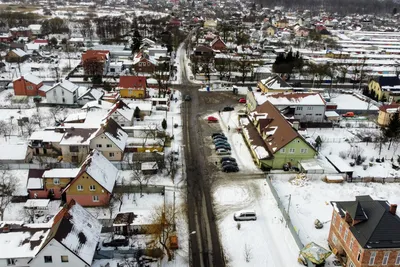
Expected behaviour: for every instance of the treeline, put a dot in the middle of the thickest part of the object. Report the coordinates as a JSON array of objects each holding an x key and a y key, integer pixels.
[
  {"x": 17, "y": 19},
  {"x": 340, "y": 6}
]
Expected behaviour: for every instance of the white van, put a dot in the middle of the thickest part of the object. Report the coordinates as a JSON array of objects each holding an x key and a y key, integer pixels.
[{"x": 245, "y": 215}]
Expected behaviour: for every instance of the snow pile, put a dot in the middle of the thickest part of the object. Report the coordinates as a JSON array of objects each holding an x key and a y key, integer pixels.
[{"x": 300, "y": 180}]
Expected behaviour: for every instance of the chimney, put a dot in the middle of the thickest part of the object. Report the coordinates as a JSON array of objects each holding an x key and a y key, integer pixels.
[
  {"x": 296, "y": 125},
  {"x": 393, "y": 208}
]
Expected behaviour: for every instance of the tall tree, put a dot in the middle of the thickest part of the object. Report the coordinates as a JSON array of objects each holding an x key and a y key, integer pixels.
[
  {"x": 392, "y": 131},
  {"x": 8, "y": 185}
]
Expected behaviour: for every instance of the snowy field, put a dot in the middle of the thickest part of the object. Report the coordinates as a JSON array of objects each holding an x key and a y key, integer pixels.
[{"x": 311, "y": 200}]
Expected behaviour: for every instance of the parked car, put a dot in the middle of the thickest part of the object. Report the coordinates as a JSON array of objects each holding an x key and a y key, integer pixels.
[
  {"x": 228, "y": 108},
  {"x": 212, "y": 119},
  {"x": 227, "y": 163},
  {"x": 223, "y": 151},
  {"x": 120, "y": 242},
  {"x": 188, "y": 98},
  {"x": 230, "y": 168},
  {"x": 348, "y": 114},
  {"x": 219, "y": 139},
  {"x": 222, "y": 142},
  {"x": 224, "y": 146},
  {"x": 242, "y": 100},
  {"x": 217, "y": 134},
  {"x": 227, "y": 159},
  {"x": 245, "y": 215}
]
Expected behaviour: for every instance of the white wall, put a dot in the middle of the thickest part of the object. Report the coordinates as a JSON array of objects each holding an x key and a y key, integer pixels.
[
  {"x": 307, "y": 113},
  {"x": 56, "y": 96},
  {"x": 56, "y": 250},
  {"x": 103, "y": 140},
  {"x": 19, "y": 262}
]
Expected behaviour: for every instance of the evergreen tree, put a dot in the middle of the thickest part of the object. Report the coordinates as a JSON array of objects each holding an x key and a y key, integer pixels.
[
  {"x": 136, "y": 113},
  {"x": 164, "y": 124}
]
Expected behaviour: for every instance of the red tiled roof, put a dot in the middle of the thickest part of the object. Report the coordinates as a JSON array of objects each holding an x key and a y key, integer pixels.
[
  {"x": 132, "y": 82},
  {"x": 95, "y": 54},
  {"x": 384, "y": 108}
]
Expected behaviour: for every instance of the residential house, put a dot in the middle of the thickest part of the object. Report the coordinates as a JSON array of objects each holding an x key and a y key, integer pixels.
[
  {"x": 71, "y": 241},
  {"x": 218, "y": 44},
  {"x": 16, "y": 55},
  {"x": 32, "y": 48},
  {"x": 15, "y": 153},
  {"x": 300, "y": 31},
  {"x": 273, "y": 141},
  {"x": 135, "y": 222},
  {"x": 56, "y": 180},
  {"x": 203, "y": 51},
  {"x": 210, "y": 23},
  {"x": 282, "y": 23},
  {"x": 75, "y": 144},
  {"x": 36, "y": 29},
  {"x": 46, "y": 142},
  {"x": 99, "y": 56},
  {"x": 364, "y": 232},
  {"x": 5, "y": 38},
  {"x": 270, "y": 30},
  {"x": 145, "y": 107},
  {"x": 41, "y": 42},
  {"x": 305, "y": 107},
  {"x": 110, "y": 140},
  {"x": 385, "y": 88},
  {"x": 35, "y": 185},
  {"x": 274, "y": 84},
  {"x": 17, "y": 32},
  {"x": 89, "y": 94},
  {"x": 132, "y": 86},
  {"x": 386, "y": 112},
  {"x": 143, "y": 63},
  {"x": 122, "y": 114},
  {"x": 28, "y": 85},
  {"x": 64, "y": 92},
  {"x": 94, "y": 183}
]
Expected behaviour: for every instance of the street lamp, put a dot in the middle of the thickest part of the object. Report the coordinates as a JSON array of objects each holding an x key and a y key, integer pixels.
[{"x": 190, "y": 247}]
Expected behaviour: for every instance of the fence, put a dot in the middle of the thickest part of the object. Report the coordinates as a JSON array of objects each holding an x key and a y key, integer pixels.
[
  {"x": 42, "y": 166},
  {"x": 146, "y": 189},
  {"x": 287, "y": 218},
  {"x": 128, "y": 253},
  {"x": 381, "y": 180}
]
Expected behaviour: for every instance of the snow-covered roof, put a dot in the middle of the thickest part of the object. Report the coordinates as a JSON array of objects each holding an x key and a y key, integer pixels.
[
  {"x": 351, "y": 102},
  {"x": 13, "y": 152},
  {"x": 330, "y": 114},
  {"x": 19, "y": 52},
  {"x": 32, "y": 46},
  {"x": 275, "y": 83},
  {"x": 98, "y": 104},
  {"x": 339, "y": 163},
  {"x": 34, "y": 183},
  {"x": 22, "y": 244},
  {"x": 78, "y": 136},
  {"x": 288, "y": 99},
  {"x": 144, "y": 106},
  {"x": 36, "y": 203},
  {"x": 32, "y": 78},
  {"x": 76, "y": 117},
  {"x": 101, "y": 170},
  {"x": 35, "y": 27},
  {"x": 67, "y": 85},
  {"x": 78, "y": 231},
  {"x": 146, "y": 166},
  {"x": 47, "y": 136},
  {"x": 61, "y": 173}
]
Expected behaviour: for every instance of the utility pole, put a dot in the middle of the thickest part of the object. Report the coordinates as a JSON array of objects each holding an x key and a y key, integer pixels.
[{"x": 288, "y": 208}]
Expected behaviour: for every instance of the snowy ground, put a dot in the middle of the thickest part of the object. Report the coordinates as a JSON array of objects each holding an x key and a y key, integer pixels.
[
  {"x": 311, "y": 200},
  {"x": 269, "y": 241},
  {"x": 345, "y": 142}
]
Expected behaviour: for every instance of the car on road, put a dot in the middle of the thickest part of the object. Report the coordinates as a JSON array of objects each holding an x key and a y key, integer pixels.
[
  {"x": 212, "y": 119},
  {"x": 230, "y": 168},
  {"x": 188, "y": 98},
  {"x": 222, "y": 151},
  {"x": 228, "y": 163},
  {"x": 120, "y": 242},
  {"x": 228, "y": 108},
  {"x": 214, "y": 135},
  {"x": 245, "y": 215},
  {"x": 242, "y": 100},
  {"x": 227, "y": 159},
  {"x": 227, "y": 147}
]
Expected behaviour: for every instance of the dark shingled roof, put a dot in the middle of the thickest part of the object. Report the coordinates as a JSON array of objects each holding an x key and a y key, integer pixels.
[{"x": 378, "y": 227}]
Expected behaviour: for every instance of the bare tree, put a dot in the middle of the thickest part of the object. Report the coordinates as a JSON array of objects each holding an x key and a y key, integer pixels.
[
  {"x": 30, "y": 215},
  {"x": 8, "y": 186},
  {"x": 138, "y": 176},
  {"x": 171, "y": 165},
  {"x": 162, "y": 221},
  {"x": 55, "y": 112},
  {"x": 37, "y": 118},
  {"x": 247, "y": 253},
  {"x": 29, "y": 126},
  {"x": 149, "y": 132},
  {"x": 5, "y": 128}
]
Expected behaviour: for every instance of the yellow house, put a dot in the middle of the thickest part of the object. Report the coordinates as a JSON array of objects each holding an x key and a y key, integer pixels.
[
  {"x": 94, "y": 183},
  {"x": 210, "y": 23},
  {"x": 271, "y": 30},
  {"x": 386, "y": 112},
  {"x": 274, "y": 84},
  {"x": 337, "y": 54},
  {"x": 385, "y": 86},
  {"x": 132, "y": 87}
]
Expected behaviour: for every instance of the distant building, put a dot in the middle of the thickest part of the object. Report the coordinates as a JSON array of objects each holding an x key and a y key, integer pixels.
[
  {"x": 386, "y": 112},
  {"x": 274, "y": 84}
]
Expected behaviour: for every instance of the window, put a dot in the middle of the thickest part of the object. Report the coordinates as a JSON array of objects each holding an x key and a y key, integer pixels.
[
  {"x": 111, "y": 154},
  {"x": 351, "y": 243},
  {"x": 95, "y": 198},
  {"x": 79, "y": 187},
  {"x": 385, "y": 258},
  {"x": 309, "y": 108},
  {"x": 334, "y": 239},
  {"x": 62, "y": 92},
  {"x": 359, "y": 255},
  {"x": 11, "y": 261},
  {"x": 297, "y": 141},
  {"x": 73, "y": 149},
  {"x": 63, "y": 100},
  {"x": 48, "y": 259},
  {"x": 398, "y": 259},
  {"x": 29, "y": 87},
  {"x": 282, "y": 150},
  {"x": 112, "y": 69},
  {"x": 56, "y": 181},
  {"x": 334, "y": 218},
  {"x": 340, "y": 227},
  {"x": 74, "y": 158},
  {"x": 92, "y": 187},
  {"x": 110, "y": 145},
  {"x": 351, "y": 264},
  {"x": 99, "y": 145},
  {"x": 54, "y": 93},
  {"x": 346, "y": 232},
  {"x": 372, "y": 258},
  {"x": 64, "y": 258},
  {"x": 299, "y": 108},
  {"x": 303, "y": 150},
  {"x": 292, "y": 150}
]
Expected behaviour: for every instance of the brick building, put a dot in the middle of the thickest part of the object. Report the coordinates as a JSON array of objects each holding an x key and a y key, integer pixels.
[{"x": 365, "y": 232}]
